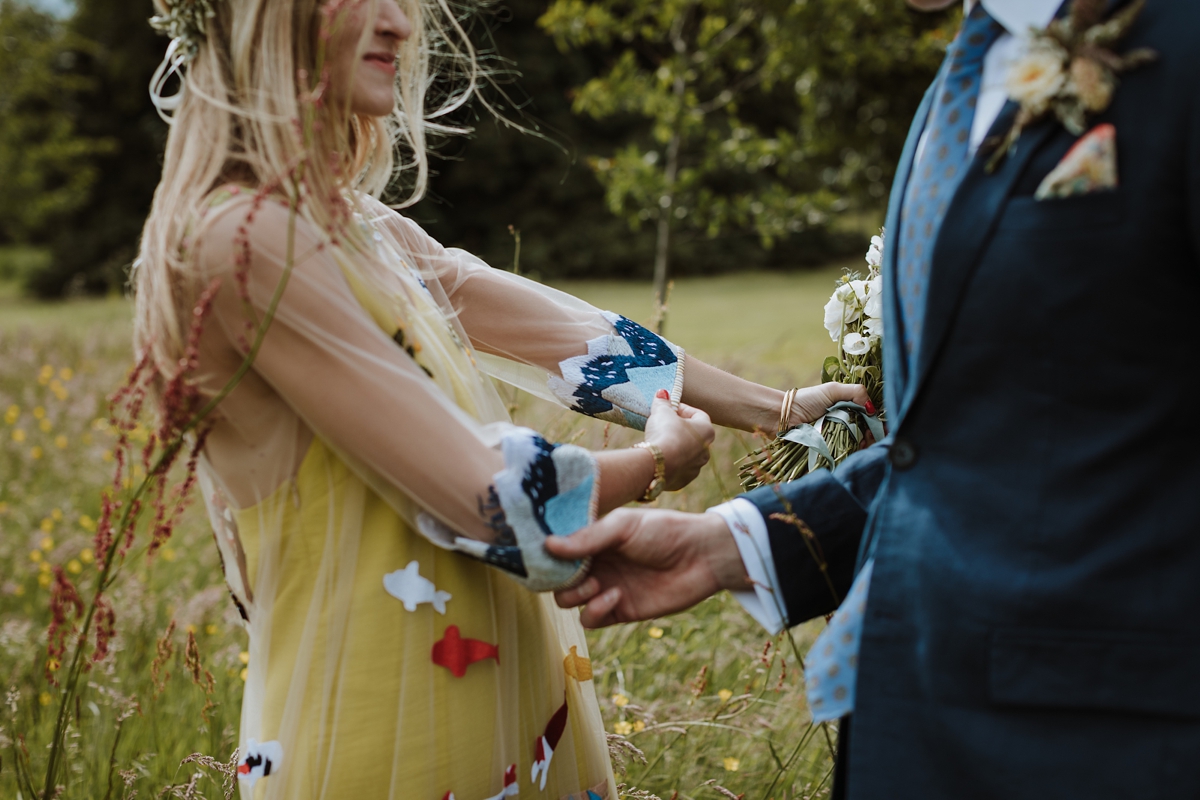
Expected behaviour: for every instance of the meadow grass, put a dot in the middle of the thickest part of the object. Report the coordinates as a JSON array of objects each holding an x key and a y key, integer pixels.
[{"x": 703, "y": 704}]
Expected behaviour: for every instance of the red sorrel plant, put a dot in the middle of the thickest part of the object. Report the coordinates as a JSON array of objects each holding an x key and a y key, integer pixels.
[{"x": 149, "y": 509}]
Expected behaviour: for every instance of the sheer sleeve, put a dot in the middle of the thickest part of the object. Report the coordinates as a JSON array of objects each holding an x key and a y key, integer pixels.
[
  {"x": 391, "y": 412},
  {"x": 546, "y": 341}
]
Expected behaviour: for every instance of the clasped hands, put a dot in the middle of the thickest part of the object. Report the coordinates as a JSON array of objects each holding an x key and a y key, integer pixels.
[{"x": 653, "y": 562}]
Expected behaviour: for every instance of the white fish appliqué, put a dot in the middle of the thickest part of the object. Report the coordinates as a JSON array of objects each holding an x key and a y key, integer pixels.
[
  {"x": 259, "y": 761},
  {"x": 407, "y": 586}
]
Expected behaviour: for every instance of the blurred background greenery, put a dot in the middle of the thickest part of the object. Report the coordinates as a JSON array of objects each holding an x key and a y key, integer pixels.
[{"x": 730, "y": 135}]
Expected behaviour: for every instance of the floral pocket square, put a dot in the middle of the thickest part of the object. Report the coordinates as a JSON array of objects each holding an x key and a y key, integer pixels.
[{"x": 1090, "y": 166}]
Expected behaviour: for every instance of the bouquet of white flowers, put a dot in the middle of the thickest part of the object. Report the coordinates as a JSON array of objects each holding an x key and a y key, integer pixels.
[{"x": 854, "y": 319}]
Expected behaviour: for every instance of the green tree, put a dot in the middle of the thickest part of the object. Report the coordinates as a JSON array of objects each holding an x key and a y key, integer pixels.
[
  {"x": 46, "y": 163},
  {"x": 770, "y": 115}
]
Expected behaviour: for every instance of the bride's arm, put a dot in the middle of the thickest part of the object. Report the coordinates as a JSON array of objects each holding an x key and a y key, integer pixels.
[
  {"x": 373, "y": 403},
  {"x": 517, "y": 319}
]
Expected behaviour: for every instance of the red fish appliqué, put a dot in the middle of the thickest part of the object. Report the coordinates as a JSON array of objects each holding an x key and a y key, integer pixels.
[{"x": 456, "y": 653}]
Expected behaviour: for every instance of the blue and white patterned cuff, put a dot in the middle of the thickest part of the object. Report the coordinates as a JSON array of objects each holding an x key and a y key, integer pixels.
[
  {"x": 617, "y": 380},
  {"x": 544, "y": 490}
]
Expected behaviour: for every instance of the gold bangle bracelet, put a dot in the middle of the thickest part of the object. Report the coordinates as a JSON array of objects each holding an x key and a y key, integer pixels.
[
  {"x": 785, "y": 412},
  {"x": 658, "y": 482}
]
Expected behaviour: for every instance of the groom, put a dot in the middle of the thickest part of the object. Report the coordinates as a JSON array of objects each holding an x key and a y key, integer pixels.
[{"x": 1024, "y": 547}]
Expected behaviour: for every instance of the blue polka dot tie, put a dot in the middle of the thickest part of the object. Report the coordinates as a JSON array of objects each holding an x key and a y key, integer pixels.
[
  {"x": 831, "y": 670},
  {"x": 939, "y": 169}
]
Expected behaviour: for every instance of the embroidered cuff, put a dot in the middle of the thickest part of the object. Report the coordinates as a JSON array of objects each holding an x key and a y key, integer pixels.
[
  {"x": 749, "y": 529},
  {"x": 617, "y": 380},
  {"x": 544, "y": 490}
]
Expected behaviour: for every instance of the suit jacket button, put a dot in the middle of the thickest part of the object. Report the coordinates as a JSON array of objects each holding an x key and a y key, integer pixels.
[{"x": 903, "y": 454}]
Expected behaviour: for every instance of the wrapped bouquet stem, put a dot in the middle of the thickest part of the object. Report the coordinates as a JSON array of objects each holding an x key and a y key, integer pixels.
[{"x": 854, "y": 320}]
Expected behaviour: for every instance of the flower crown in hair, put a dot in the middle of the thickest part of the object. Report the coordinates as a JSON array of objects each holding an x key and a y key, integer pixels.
[{"x": 186, "y": 23}]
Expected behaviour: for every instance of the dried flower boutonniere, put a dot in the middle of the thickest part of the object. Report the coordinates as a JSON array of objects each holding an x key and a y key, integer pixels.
[{"x": 1070, "y": 70}]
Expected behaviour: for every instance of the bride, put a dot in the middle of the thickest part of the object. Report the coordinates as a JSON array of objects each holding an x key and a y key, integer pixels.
[{"x": 364, "y": 484}]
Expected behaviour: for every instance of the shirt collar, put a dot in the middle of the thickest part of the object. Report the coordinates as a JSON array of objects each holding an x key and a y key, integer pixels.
[{"x": 1018, "y": 16}]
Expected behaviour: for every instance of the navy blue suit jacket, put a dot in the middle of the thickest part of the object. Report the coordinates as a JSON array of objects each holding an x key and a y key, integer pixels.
[{"x": 1033, "y": 625}]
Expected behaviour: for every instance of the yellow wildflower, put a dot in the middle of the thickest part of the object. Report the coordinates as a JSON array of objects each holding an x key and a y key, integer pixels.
[
  {"x": 35, "y": 452},
  {"x": 74, "y": 567},
  {"x": 190, "y": 629},
  {"x": 44, "y": 580},
  {"x": 639, "y": 726},
  {"x": 87, "y": 523},
  {"x": 620, "y": 700},
  {"x": 86, "y": 555},
  {"x": 56, "y": 515},
  {"x": 244, "y": 657},
  {"x": 99, "y": 424},
  {"x": 139, "y": 471},
  {"x": 66, "y": 373},
  {"x": 731, "y": 764},
  {"x": 39, "y": 413},
  {"x": 60, "y": 442},
  {"x": 168, "y": 554},
  {"x": 47, "y": 525},
  {"x": 18, "y": 435},
  {"x": 35, "y": 556},
  {"x": 47, "y": 541},
  {"x": 3, "y": 507},
  {"x": 46, "y": 373},
  {"x": 45, "y": 425},
  {"x": 623, "y": 728},
  {"x": 210, "y": 629},
  {"x": 12, "y": 414},
  {"x": 107, "y": 456},
  {"x": 724, "y": 694},
  {"x": 45, "y": 699},
  {"x": 244, "y": 673},
  {"x": 43, "y": 566},
  {"x": 655, "y": 633},
  {"x": 53, "y": 665}
]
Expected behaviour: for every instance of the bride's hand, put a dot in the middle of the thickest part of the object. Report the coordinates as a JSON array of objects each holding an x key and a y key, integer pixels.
[
  {"x": 814, "y": 401},
  {"x": 683, "y": 435}
]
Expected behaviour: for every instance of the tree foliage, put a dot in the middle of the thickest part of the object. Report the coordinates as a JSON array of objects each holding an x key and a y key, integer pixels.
[{"x": 48, "y": 165}]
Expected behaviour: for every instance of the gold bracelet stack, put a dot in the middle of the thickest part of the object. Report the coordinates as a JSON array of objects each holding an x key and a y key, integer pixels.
[
  {"x": 660, "y": 472},
  {"x": 785, "y": 413}
]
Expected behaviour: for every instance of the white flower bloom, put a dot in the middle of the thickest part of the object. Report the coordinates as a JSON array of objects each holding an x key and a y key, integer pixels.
[
  {"x": 875, "y": 253},
  {"x": 856, "y": 345},
  {"x": 874, "y": 326},
  {"x": 860, "y": 291},
  {"x": 873, "y": 307},
  {"x": 1037, "y": 76},
  {"x": 842, "y": 309}
]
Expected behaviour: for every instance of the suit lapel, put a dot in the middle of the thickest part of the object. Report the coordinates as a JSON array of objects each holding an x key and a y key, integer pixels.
[
  {"x": 893, "y": 355},
  {"x": 965, "y": 232}
]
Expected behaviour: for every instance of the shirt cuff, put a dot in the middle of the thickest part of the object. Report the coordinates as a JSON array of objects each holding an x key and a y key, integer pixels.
[{"x": 749, "y": 529}]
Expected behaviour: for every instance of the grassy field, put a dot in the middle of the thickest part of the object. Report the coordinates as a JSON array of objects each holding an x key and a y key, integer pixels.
[{"x": 701, "y": 705}]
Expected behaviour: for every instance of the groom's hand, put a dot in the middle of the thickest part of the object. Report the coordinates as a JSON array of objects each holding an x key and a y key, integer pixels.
[{"x": 647, "y": 564}]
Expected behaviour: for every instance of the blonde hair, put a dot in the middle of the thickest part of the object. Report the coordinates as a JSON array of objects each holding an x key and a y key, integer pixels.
[{"x": 239, "y": 121}]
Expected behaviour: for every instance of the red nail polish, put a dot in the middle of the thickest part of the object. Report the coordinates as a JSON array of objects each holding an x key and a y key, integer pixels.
[
  {"x": 663, "y": 394},
  {"x": 870, "y": 408}
]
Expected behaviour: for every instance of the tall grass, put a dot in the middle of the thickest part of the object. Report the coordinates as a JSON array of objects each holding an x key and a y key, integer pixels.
[{"x": 703, "y": 704}]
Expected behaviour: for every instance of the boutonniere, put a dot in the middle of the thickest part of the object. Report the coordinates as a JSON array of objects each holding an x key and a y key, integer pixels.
[{"x": 1070, "y": 70}]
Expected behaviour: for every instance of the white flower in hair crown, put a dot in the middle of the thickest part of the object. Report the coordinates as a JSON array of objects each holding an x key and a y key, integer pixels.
[{"x": 186, "y": 23}]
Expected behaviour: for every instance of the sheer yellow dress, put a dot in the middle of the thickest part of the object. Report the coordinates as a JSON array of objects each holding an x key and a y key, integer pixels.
[{"x": 366, "y": 411}]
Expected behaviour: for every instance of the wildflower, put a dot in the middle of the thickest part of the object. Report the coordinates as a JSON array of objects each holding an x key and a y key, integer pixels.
[
  {"x": 86, "y": 555},
  {"x": 875, "y": 253},
  {"x": 18, "y": 435},
  {"x": 35, "y": 452},
  {"x": 74, "y": 567},
  {"x": 56, "y": 515},
  {"x": 46, "y": 373},
  {"x": 39, "y": 413},
  {"x": 12, "y": 414},
  {"x": 46, "y": 525},
  {"x": 639, "y": 726},
  {"x": 191, "y": 629},
  {"x": 168, "y": 554},
  {"x": 60, "y": 442},
  {"x": 44, "y": 566},
  {"x": 44, "y": 698},
  {"x": 243, "y": 674},
  {"x": 53, "y": 665},
  {"x": 3, "y": 507},
  {"x": 35, "y": 556},
  {"x": 724, "y": 694},
  {"x": 856, "y": 345},
  {"x": 210, "y": 629},
  {"x": 66, "y": 373},
  {"x": 45, "y": 425},
  {"x": 620, "y": 700},
  {"x": 47, "y": 541},
  {"x": 107, "y": 456},
  {"x": 244, "y": 657},
  {"x": 655, "y": 633},
  {"x": 731, "y": 764},
  {"x": 623, "y": 728},
  {"x": 1036, "y": 78},
  {"x": 44, "y": 580}
]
